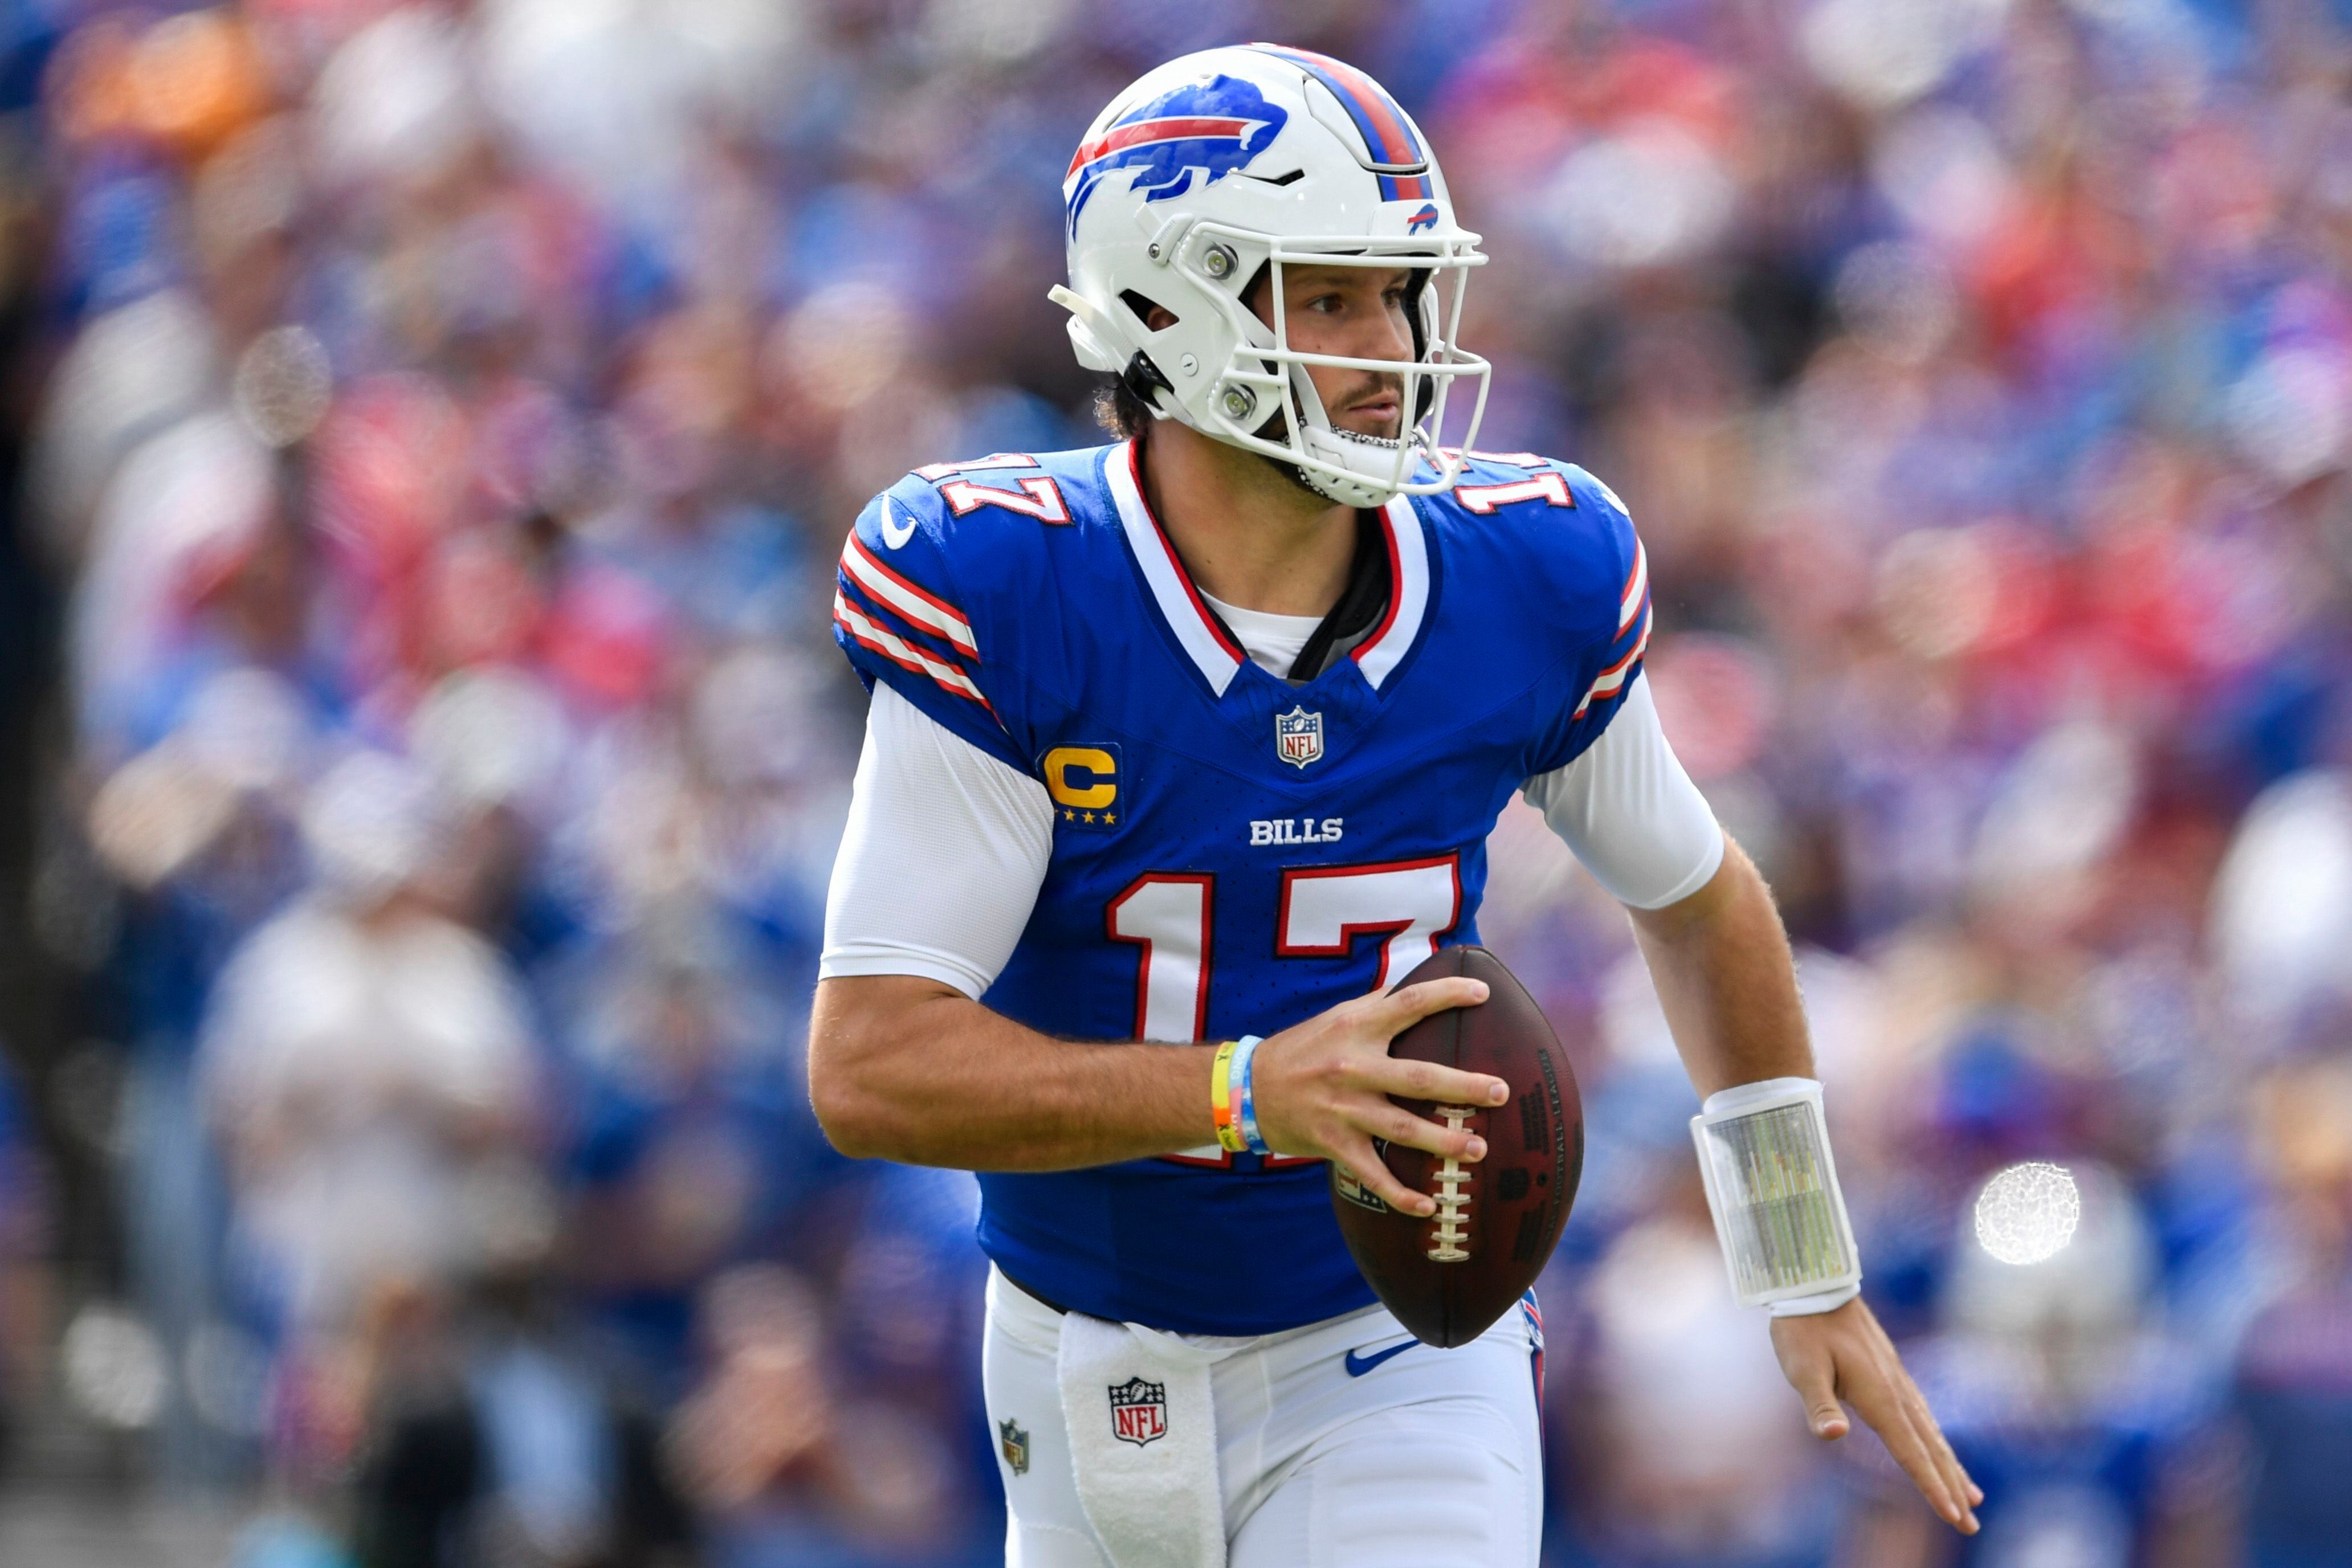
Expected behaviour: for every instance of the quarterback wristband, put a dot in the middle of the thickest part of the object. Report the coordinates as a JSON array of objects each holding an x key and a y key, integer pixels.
[
  {"x": 1245, "y": 1095},
  {"x": 1771, "y": 1186},
  {"x": 1807, "y": 1306},
  {"x": 1221, "y": 1099}
]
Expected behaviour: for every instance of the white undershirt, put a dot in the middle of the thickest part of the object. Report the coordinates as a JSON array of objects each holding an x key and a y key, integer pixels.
[
  {"x": 947, "y": 846},
  {"x": 1273, "y": 642}
]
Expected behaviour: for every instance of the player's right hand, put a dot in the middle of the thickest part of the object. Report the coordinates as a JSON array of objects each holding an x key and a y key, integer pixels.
[{"x": 1322, "y": 1087}]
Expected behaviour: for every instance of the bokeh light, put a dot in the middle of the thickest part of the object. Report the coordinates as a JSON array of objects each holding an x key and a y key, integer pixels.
[{"x": 2027, "y": 1213}]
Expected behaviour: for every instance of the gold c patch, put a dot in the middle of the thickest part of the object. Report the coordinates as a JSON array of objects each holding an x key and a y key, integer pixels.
[{"x": 1084, "y": 783}]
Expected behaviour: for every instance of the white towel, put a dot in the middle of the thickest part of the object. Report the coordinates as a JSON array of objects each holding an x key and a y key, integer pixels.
[{"x": 1143, "y": 1442}]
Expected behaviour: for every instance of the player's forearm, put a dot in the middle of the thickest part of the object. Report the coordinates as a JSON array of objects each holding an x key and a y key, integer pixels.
[
  {"x": 1721, "y": 963},
  {"x": 906, "y": 1069}
]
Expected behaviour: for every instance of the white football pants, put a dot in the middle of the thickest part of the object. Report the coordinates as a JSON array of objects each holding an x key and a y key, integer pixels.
[{"x": 1418, "y": 1458}]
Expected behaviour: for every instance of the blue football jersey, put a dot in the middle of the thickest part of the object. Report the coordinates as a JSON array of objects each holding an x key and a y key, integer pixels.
[{"x": 1232, "y": 854}]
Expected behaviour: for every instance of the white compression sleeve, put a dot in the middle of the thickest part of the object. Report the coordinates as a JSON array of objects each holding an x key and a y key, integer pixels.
[
  {"x": 1631, "y": 812},
  {"x": 942, "y": 858}
]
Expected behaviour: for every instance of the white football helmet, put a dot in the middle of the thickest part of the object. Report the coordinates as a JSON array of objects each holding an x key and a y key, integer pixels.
[{"x": 1230, "y": 160}]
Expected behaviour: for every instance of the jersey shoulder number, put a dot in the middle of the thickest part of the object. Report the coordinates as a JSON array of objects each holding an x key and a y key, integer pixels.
[
  {"x": 1563, "y": 541},
  {"x": 944, "y": 586}
]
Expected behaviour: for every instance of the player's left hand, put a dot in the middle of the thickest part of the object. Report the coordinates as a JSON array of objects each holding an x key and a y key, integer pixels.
[{"x": 1845, "y": 1355}]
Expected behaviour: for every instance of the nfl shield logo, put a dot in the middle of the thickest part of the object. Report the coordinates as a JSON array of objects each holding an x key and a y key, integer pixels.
[
  {"x": 1298, "y": 736},
  {"x": 1014, "y": 1442},
  {"x": 1139, "y": 1411}
]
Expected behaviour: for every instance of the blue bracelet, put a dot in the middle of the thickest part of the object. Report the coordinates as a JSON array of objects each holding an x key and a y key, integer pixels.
[{"x": 1245, "y": 1096}]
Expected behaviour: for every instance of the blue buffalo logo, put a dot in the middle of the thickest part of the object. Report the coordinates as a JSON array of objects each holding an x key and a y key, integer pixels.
[
  {"x": 1424, "y": 219},
  {"x": 1210, "y": 127}
]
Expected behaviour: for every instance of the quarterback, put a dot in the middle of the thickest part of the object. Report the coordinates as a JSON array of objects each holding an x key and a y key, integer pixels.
[{"x": 1182, "y": 751}]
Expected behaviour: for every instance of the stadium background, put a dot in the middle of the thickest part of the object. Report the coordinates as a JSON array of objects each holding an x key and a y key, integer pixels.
[{"x": 428, "y": 429}]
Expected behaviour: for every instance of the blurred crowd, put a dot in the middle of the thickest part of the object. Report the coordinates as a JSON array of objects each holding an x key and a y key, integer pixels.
[{"x": 443, "y": 418}]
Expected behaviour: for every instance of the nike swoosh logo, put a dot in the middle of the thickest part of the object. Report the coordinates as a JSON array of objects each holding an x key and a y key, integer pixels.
[
  {"x": 1360, "y": 1364},
  {"x": 892, "y": 537}
]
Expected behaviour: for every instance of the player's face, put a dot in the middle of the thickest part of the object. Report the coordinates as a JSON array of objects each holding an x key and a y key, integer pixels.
[{"x": 1356, "y": 311}]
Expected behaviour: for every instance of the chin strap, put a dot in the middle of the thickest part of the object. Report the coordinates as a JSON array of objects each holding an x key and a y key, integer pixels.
[{"x": 1144, "y": 380}]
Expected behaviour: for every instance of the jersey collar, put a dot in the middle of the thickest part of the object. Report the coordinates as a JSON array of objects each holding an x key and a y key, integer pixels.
[{"x": 1198, "y": 633}]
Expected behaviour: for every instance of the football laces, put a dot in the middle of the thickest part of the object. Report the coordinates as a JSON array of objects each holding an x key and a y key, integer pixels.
[{"x": 1450, "y": 1243}]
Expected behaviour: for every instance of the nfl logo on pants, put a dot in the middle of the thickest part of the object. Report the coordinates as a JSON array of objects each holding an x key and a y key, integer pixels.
[
  {"x": 1298, "y": 736},
  {"x": 1139, "y": 1411}
]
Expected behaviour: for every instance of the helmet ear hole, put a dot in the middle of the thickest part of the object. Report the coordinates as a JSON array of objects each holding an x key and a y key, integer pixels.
[{"x": 1145, "y": 307}]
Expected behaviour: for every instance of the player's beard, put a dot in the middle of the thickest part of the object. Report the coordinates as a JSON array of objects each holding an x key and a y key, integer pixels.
[
  {"x": 1297, "y": 475},
  {"x": 1278, "y": 427},
  {"x": 1373, "y": 384}
]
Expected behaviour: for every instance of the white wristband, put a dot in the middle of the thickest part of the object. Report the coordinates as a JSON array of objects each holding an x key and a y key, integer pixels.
[
  {"x": 1808, "y": 1306},
  {"x": 1771, "y": 1186}
]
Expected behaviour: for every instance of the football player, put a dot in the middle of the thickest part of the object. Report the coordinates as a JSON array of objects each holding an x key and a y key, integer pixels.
[{"x": 1180, "y": 751}]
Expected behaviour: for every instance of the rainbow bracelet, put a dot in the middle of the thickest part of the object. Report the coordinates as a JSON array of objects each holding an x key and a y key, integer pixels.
[
  {"x": 1244, "y": 1096},
  {"x": 1220, "y": 1099}
]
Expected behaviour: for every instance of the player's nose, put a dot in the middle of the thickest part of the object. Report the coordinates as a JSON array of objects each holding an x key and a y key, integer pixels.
[{"x": 1383, "y": 335}]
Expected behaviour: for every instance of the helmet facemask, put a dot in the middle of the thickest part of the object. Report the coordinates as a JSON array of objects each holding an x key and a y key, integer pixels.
[{"x": 1266, "y": 401}]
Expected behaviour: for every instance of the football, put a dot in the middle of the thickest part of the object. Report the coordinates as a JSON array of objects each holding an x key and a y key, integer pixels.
[{"x": 1448, "y": 1277}]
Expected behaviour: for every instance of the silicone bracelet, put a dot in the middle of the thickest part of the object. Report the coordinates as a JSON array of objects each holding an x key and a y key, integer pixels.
[
  {"x": 1245, "y": 1095},
  {"x": 1221, "y": 1099}
]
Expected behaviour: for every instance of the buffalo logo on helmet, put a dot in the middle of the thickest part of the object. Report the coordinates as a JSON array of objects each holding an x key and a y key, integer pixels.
[
  {"x": 1424, "y": 219},
  {"x": 1139, "y": 1411},
  {"x": 1214, "y": 127}
]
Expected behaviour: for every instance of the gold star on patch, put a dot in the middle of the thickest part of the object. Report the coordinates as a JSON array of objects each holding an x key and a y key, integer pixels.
[
  {"x": 1110, "y": 816},
  {"x": 1069, "y": 816},
  {"x": 1090, "y": 815}
]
